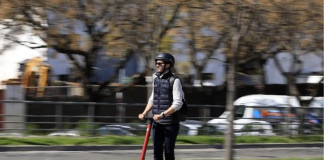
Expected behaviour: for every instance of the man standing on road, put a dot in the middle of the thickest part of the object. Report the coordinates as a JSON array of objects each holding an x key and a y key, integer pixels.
[{"x": 165, "y": 102}]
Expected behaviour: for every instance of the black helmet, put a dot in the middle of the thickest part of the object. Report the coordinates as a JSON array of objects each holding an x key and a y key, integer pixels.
[{"x": 166, "y": 57}]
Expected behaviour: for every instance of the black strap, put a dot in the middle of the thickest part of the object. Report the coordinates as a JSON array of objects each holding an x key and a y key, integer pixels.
[{"x": 171, "y": 80}]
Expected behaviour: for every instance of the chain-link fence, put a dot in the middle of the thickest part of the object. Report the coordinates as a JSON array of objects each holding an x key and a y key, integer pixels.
[{"x": 97, "y": 119}]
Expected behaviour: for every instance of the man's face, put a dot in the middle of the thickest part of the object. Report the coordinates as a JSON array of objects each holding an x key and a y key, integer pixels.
[{"x": 160, "y": 65}]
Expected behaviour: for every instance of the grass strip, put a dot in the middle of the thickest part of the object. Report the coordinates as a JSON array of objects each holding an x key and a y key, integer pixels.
[
  {"x": 274, "y": 159},
  {"x": 138, "y": 140}
]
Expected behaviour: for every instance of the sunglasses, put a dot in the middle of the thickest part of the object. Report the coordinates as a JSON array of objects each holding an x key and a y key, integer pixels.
[{"x": 159, "y": 64}]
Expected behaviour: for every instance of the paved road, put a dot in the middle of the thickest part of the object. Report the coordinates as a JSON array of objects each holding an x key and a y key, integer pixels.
[{"x": 181, "y": 154}]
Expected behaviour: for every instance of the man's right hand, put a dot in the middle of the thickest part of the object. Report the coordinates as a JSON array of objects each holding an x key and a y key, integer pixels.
[{"x": 141, "y": 116}]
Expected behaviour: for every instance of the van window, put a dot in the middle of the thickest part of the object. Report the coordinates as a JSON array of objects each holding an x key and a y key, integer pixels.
[
  {"x": 254, "y": 127},
  {"x": 239, "y": 112}
]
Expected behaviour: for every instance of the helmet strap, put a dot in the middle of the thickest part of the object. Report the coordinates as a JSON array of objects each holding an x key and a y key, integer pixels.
[{"x": 164, "y": 69}]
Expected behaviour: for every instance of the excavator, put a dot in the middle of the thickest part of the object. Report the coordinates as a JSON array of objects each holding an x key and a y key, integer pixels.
[{"x": 35, "y": 75}]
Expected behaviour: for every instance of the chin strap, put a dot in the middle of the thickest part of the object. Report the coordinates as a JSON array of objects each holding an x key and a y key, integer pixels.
[{"x": 164, "y": 71}]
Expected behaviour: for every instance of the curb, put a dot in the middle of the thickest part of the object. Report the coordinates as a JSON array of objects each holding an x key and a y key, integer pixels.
[{"x": 139, "y": 147}]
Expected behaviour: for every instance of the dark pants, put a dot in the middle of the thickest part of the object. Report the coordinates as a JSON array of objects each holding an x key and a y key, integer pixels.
[{"x": 167, "y": 135}]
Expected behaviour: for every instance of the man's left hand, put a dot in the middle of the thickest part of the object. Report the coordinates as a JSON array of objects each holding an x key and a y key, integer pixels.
[{"x": 157, "y": 117}]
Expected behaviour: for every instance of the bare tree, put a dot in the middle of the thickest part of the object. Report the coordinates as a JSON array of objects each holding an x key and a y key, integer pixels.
[
  {"x": 231, "y": 22},
  {"x": 56, "y": 24},
  {"x": 149, "y": 23},
  {"x": 145, "y": 28},
  {"x": 250, "y": 29},
  {"x": 301, "y": 23},
  {"x": 123, "y": 28}
]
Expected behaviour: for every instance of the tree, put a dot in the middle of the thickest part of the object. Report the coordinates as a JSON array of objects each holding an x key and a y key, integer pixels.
[
  {"x": 198, "y": 33},
  {"x": 303, "y": 23},
  {"x": 250, "y": 29},
  {"x": 123, "y": 28},
  {"x": 146, "y": 27},
  {"x": 58, "y": 24},
  {"x": 150, "y": 24},
  {"x": 230, "y": 22}
]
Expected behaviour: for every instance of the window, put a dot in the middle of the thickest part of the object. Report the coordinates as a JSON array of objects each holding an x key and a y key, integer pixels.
[
  {"x": 239, "y": 112},
  {"x": 254, "y": 127},
  {"x": 247, "y": 128},
  {"x": 116, "y": 132}
]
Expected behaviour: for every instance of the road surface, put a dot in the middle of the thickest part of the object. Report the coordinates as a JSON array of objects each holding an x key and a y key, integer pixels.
[{"x": 180, "y": 154}]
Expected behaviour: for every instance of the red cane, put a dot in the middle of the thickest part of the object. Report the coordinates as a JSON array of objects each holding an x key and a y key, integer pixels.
[{"x": 147, "y": 136}]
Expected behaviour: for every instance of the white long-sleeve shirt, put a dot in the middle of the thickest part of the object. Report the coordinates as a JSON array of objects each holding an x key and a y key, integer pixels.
[{"x": 177, "y": 93}]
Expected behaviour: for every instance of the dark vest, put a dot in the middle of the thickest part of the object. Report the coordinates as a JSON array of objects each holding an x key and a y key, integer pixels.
[{"x": 163, "y": 98}]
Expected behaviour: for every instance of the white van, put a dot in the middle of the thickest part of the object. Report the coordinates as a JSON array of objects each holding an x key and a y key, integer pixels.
[{"x": 269, "y": 107}]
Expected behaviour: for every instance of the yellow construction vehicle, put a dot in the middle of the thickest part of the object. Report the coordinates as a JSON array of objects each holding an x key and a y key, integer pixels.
[{"x": 35, "y": 76}]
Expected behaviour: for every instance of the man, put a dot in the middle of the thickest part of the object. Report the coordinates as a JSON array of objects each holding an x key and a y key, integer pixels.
[{"x": 164, "y": 102}]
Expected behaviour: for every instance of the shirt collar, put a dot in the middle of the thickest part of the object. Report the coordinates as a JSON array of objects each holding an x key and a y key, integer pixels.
[{"x": 162, "y": 74}]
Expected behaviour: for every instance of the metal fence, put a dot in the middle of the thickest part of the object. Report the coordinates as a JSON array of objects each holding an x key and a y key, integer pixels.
[
  {"x": 84, "y": 119},
  {"x": 53, "y": 91}
]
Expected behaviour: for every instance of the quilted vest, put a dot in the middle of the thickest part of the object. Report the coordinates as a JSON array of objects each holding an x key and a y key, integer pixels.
[{"x": 163, "y": 99}]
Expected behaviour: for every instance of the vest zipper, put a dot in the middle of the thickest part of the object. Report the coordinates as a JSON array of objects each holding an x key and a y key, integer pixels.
[{"x": 159, "y": 94}]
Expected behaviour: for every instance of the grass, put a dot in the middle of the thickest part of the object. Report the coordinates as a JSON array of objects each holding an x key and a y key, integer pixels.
[
  {"x": 138, "y": 140},
  {"x": 294, "y": 159},
  {"x": 275, "y": 159}
]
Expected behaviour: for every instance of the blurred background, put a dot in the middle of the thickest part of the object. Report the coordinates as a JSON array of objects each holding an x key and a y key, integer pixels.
[{"x": 85, "y": 68}]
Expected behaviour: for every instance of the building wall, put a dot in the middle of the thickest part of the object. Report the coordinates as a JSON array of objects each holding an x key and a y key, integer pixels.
[{"x": 311, "y": 62}]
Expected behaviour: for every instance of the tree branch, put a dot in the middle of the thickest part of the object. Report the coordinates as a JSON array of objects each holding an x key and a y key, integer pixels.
[
  {"x": 171, "y": 21},
  {"x": 192, "y": 44},
  {"x": 215, "y": 47},
  {"x": 115, "y": 74},
  {"x": 30, "y": 18},
  {"x": 65, "y": 50},
  {"x": 22, "y": 43},
  {"x": 76, "y": 64},
  {"x": 315, "y": 91},
  {"x": 273, "y": 54}
]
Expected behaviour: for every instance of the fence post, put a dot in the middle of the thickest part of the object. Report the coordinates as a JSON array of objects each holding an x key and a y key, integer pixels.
[
  {"x": 120, "y": 108},
  {"x": 58, "y": 113},
  {"x": 24, "y": 125},
  {"x": 206, "y": 113},
  {"x": 90, "y": 119}
]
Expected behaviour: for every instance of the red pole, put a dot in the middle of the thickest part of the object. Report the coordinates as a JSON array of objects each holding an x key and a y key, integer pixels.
[{"x": 147, "y": 136}]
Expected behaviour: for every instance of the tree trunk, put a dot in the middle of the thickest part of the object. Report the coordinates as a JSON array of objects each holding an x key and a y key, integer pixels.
[
  {"x": 301, "y": 120},
  {"x": 261, "y": 85},
  {"x": 231, "y": 92},
  {"x": 293, "y": 91},
  {"x": 288, "y": 109}
]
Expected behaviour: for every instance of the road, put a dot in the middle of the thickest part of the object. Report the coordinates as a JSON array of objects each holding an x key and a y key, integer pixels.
[{"x": 180, "y": 154}]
